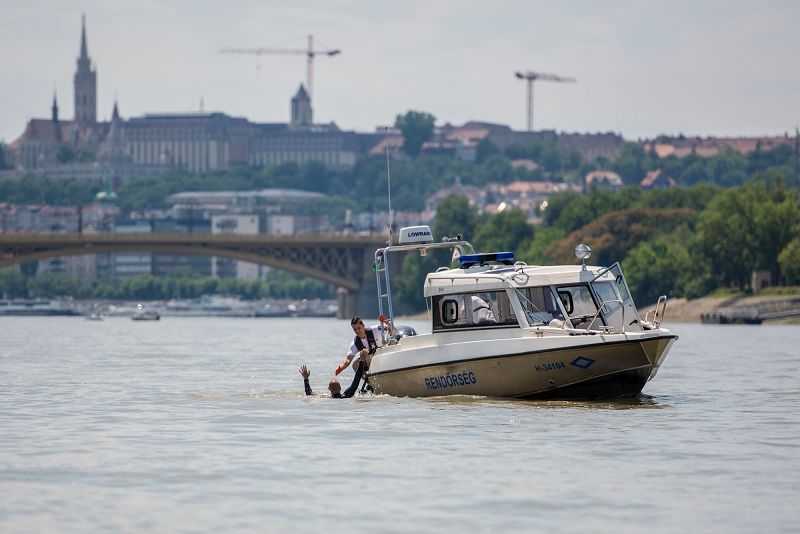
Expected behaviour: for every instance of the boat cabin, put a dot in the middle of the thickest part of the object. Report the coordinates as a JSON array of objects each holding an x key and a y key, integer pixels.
[{"x": 493, "y": 291}]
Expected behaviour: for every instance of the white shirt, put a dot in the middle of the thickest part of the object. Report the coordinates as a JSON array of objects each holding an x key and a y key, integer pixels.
[
  {"x": 481, "y": 311},
  {"x": 353, "y": 350}
]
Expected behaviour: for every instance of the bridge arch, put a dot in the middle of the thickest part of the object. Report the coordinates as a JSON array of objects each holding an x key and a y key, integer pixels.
[
  {"x": 268, "y": 261},
  {"x": 341, "y": 260}
]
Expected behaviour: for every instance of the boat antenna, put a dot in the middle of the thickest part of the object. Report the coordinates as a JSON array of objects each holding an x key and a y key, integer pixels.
[{"x": 389, "y": 190}]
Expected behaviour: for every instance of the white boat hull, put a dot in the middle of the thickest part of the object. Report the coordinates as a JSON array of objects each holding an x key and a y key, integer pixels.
[{"x": 521, "y": 365}]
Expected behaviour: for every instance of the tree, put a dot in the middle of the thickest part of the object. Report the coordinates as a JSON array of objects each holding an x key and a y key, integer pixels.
[
  {"x": 485, "y": 149},
  {"x": 789, "y": 260},
  {"x": 777, "y": 219},
  {"x": 417, "y": 127},
  {"x": 29, "y": 268},
  {"x": 666, "y": 266},
  {"x": 746, "y": 229},
  {"x": 455, "y": 216},
  {"x": 726, "y": 237},
  {"x": 504, "y": 231},
  {"x": 407, "y": 286},
  {"x": 631, "y": 164},
  {"x": 4, "y": 163},
  {"x": 650, "y": 272},
  {"x": 12, "y": 284},
  {"x": 534, "y": 251},
  {"x": 614, "y": 234}
]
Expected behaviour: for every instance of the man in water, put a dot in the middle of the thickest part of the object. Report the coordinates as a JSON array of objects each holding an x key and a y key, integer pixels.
[
  {"x": 365, "y": 342},
  {"x": 334, "y": 386}
]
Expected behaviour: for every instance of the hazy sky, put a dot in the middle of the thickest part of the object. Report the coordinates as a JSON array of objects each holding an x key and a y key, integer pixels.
[{"x": 643, "y": 68}]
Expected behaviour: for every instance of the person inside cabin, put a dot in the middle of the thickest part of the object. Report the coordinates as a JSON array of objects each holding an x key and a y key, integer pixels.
[
  {"x": 365, "y": 343},
  {"x": 481, "y": 311},
  {"x": 334, "y": 387}
]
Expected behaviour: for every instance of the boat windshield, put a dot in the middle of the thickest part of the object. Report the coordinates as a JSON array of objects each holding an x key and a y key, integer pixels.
[
  {"x": 580, "y": 306},
  {"x": 540, "y": 305},
  {"x": 484, "y": 309},
  {"x": 617, "y": 304}
]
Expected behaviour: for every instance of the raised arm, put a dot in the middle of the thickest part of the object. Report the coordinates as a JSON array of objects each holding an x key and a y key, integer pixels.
[
  {"x": 349, "y": 392},
  {"x": 305, "y": 372}
]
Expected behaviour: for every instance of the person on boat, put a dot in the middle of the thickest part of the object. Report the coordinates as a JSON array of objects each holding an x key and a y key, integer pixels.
[
  {"x": 481, "y": 311},
  {"x": 365, "y": 342},
  {"x": 334, "y": 386}
]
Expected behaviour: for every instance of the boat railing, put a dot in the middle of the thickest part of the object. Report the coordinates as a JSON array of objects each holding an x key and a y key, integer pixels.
[
  {"x": 381, "y": 267},
  {"x": 656, "y": 315}
]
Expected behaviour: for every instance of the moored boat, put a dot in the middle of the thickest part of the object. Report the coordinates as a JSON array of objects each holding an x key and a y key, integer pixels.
[
  {"x": 506, "y": 329},
  {"x": 142, "y": 314}
]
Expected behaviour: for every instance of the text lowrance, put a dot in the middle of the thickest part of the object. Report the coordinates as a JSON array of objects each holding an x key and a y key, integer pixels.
[{"x": 450, "y": 381}]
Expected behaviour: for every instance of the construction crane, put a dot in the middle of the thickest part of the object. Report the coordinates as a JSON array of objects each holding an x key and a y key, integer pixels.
[
  {"x": 531, "y": 77},
  {"x": 309, "y": 52}
]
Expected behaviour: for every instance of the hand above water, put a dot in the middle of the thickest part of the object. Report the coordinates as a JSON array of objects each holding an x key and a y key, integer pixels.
[{"x": 304, "y": 371}]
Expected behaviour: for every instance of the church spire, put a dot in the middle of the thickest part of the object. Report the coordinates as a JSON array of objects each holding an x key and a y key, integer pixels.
[
  {"x": 85, "y": 84},
  {"x": 115, "y": 113},
  {"x": 84, "y": 47},
  {"x": 54, "y": 108}
]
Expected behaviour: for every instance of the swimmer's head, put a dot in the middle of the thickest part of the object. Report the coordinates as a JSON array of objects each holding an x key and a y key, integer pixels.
[{"x": 334, "y": 387}]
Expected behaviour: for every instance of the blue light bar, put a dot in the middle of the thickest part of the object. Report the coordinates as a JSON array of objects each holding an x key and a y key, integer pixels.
[{"x": 469, "y": 260}]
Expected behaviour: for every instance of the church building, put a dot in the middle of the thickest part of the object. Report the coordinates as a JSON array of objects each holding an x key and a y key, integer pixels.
[
  {"x": 53, "y": 141},
  {"x": 158, "y": 143}
]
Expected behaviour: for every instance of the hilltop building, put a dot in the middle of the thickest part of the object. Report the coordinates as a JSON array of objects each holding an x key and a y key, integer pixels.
[
  {"x": 589, "y": 146},
  {"x": 603, "y": 180},
  {"x": 657, "y": 179},
  {"x": 85, "y": 147},
  {"x": 302, "y": 114},
  {"x": 157, "y": 143},
  {"x": 706, "y": 147},
  {"x": 463, "y": 141},
  {"x": 47, "y": 142}
]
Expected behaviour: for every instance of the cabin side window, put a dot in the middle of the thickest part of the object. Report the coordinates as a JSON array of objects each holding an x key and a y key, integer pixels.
[{"x": 485, "y": 309}]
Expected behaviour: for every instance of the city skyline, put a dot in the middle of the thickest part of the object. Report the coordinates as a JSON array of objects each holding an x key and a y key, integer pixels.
[{"x": 740, "y": 85}]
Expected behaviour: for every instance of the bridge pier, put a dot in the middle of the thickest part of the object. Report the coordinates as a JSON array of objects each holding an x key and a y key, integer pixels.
[
  {"x": 363, "y": 302},
  {"x": 346, "y": 302}
]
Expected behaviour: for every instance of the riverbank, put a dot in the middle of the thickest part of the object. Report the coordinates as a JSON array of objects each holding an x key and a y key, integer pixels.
[
  {"x": 208, "y": 306},
  {"x": 681, "y": 310}
]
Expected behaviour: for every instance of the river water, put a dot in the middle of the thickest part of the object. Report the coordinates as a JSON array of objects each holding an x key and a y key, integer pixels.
[{"x": 201, "y": 425}]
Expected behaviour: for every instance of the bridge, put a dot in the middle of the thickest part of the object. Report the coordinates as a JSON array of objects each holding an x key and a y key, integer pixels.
[{"x": 344, "y": 261}]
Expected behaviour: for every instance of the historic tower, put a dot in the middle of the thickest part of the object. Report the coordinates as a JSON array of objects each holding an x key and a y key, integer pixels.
[
  {"x": 54, "y": 119},
  {"x": 85, "y": 83},
  {"x": 54, "y": 110},
  {"x": 302, "y": 114}
]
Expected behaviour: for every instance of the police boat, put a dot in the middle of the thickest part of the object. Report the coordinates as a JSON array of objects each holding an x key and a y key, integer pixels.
[{"x": 502, "y": 328}]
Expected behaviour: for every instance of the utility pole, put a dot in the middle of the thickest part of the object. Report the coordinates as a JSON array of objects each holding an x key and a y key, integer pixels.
[{"x": 530, "y": 77}]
